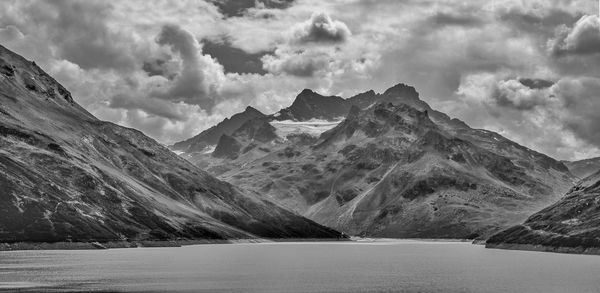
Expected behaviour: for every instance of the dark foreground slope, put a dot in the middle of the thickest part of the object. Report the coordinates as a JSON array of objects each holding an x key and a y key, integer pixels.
[
  {"x": 570, "y": 225},
  {"x": 67, "y": 176}
]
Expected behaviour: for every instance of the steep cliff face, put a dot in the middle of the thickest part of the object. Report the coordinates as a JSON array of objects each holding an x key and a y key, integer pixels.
[
  {"x": 67, "y": 176},
  {"x": 570, "y": 225},
  {"x": 394, "y": 167}
]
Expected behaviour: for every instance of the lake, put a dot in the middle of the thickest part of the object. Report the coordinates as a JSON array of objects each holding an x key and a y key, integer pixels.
[{"x": 381, "y": 266}]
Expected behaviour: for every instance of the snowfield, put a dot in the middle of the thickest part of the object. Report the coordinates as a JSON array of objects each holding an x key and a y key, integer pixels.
[{"x": 313, "y": 127}]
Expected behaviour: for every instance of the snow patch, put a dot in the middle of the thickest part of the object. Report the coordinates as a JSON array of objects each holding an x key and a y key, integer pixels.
[
  {"x": 313, "y": 127},
  {"x": 209, "y": 149}
]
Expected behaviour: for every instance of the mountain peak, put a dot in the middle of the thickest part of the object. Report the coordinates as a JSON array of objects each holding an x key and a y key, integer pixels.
[
  {"x": 251, "y": 109},
  {"x": 305, "y": 92},
  {"x": 403, "y": 90}
]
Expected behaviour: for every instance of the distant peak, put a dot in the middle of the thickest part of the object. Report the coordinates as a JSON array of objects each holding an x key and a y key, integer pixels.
[
  {"x": 251, "y": 109},
  {"x": 402, "y": 90},
  {"x": 306, "y": 95},
  {"x": 306, "y": 92}
]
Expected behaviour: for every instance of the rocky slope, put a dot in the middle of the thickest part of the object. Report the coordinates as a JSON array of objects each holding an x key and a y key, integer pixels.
[
  {"x": 583, "y": 168},
  {"x": 211, "y": 136},
  {"x": 393, "y": 167},
  {"x": 570, "y": 225},
  {"x": 67, "y": 176}
]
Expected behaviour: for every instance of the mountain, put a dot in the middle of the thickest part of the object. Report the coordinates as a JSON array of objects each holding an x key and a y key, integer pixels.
[
  {"x": 570, "y": 225},
  {"x": 583, "y": 168},
  {"x": 67, "y": 176},
  {"x": 393, "y": 167},
  {"x": 211, "y": 136},
  {"x": 310, "y": 105}
]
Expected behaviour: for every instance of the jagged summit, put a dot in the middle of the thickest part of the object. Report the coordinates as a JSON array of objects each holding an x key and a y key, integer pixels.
[
  {"x": 311, "y": 105},
  {"x": 211, "y": 136},
  {"x": 402, "y": 90}
]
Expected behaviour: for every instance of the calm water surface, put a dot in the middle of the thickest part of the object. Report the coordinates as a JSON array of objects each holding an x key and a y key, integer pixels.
[{"x": 391, "y": 266}]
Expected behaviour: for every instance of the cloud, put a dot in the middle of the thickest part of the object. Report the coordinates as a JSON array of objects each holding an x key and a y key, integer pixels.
[
  {"x": 554, "y": 117},
  {"x": 513, "y": 93},
  {"x": 166, "y": 68},
  {"x": 299, "y": 63},
  {"x": 320, "y": 28},
  {"x": 198, "y": 80},
  {"x": 582, "y": 39},
  {"x": 79, "y": 33},
  {"x": 233, "y": 59},
  {"x": 536, "y": 83},
  {"x": 231, "y": 8},
  {"x": 442, "y": 19},
  {"x": 581, "y": 103}
]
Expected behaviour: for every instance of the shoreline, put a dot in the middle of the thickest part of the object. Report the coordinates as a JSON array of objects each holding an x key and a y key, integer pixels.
[
  {"x": 543, "y": 248},
  {"x": 22, "y": 246}
]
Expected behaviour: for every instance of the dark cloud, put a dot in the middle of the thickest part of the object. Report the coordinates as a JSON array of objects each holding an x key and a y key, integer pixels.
[
  {"x": 320, "y": 28},
  {"x": 582, "y": 39},
  {"x": 231, "y": 8},
  {"x": 581, "y": 103},
  {"x": 442, "y": 19},
  {"x": 79, "y": 32},
  {"x": 536, "y": 83},
  {"x": 233, "y": 59},
  {"x": 160, "y": 67},
  {"x": 190, "y": 85},
  {"x": 536, "y": 21}
]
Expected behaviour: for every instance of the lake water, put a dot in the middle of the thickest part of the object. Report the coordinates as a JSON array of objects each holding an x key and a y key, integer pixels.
[{"x": 388, "y": 266}]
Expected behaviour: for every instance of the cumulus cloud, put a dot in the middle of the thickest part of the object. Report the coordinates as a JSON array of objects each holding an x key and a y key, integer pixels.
[
  {"x": 79, "y": 33},
  {"x": 198, "y": 79},
  {"x": 513, "y": 93},
  {"x": 299, "y": 63},
  {"x": 582, "y": 39},
  {"x": 320, "y": 28},
  {"x": 554, "y": 117}
]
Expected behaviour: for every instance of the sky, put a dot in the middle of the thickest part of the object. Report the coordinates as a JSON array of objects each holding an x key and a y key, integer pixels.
[{"x": 527, "y": 69}]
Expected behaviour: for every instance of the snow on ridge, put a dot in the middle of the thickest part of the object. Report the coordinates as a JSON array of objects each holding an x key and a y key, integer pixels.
[{"x": 313, "y": 127}]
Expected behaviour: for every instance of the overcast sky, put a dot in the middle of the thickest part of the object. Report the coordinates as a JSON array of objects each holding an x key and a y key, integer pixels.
[{"x": 528, "y": 69}]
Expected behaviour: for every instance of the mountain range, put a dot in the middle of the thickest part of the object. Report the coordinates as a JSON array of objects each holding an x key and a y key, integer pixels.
[
  {"x": 374, "y": 164},
  {"x": 385, "y": 165},
  {"x": 67, "y": 176}
]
